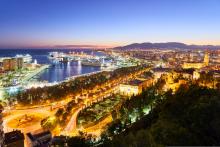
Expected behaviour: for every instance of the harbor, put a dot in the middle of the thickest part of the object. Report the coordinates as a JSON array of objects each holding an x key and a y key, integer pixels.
[
  {"x": 85, "y": 59},
  {"x": 37, "y": 71},
  {"x": 51, "y": 67}
]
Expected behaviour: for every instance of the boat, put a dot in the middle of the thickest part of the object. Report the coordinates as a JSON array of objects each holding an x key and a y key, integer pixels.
[
  {"x": 64, "y": 60},
  {"x": 91, "y": 62},
  {"x": 53, "y": 54}
]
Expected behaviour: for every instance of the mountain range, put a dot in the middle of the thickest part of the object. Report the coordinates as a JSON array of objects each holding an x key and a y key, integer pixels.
[{"x": 167, "y": 45}]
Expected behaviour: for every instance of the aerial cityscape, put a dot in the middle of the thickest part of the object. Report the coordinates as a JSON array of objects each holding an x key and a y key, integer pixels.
[{"x": 109, "y": 73}]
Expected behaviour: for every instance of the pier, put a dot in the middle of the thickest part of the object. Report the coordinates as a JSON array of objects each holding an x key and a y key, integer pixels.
[{"x": 34, "y": 73}]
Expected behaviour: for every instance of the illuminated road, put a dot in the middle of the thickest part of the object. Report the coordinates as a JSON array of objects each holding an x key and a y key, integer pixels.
[
  {"x": 45, "y": 110},
  {"x": 30, "y": 127},
  {"x": 72, "y": 124},
  {"x": 42, "y": 110},
  {"x": 98, "y": 128},
  {"x": 13, "y": 114}
]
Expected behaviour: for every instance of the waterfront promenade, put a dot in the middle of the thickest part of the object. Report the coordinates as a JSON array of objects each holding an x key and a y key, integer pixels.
[
  {"x": 34, "y": 73},
  {"x": 43, "y": 84}
]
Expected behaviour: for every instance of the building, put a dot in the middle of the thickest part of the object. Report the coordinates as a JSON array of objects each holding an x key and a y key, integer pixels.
[
  {"x": 158, "y": 72},
  {"x": 20, "y": 63},
  {"x": 14, "y": 139},
  {"x": 10, "y": 64},
  {"x": 40, "y": 139},
  {"x": 26, "y": 58},
  {"x": 1, "y": 127},
  {"x": 131, "y": 88},
  {"x": 197, "y": 65},
  {"x": 193, "y": 65},
  {"x": 196, "y": 75},
  {"x": 184, "y": 73},
  {"x": 1, "y": 65},
  {"x": 134, "y": 87},
  {"x": 59, "y": 141}
]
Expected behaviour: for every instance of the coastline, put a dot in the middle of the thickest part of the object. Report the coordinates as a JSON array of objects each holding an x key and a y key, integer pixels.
[{"x": 34, "y": 73}]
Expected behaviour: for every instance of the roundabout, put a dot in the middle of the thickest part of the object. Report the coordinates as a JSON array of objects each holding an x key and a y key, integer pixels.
[{"x": 24, "y": 121}]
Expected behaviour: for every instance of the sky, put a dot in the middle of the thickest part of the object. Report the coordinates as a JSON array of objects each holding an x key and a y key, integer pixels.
[{"x": 49, "y": 23}]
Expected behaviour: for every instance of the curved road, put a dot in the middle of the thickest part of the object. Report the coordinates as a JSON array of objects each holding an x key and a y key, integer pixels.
[
  {"x": 72, "y": 123},
  {"x": 13, "y": 114},
  {"x": 71, "y": 126}
]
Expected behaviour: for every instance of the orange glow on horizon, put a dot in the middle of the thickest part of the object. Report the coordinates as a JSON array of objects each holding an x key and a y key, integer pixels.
[{"x": 72, "y": 45}]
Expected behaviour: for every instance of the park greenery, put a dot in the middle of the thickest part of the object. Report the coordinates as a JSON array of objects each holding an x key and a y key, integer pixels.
[
  {"x": 73, "y": 87},
  {"x": 208, "y": 79},
  {"x": 99, "y": 110},
  {"x": 61, "y": 117},
  {"x": 136, "y": 107},
  {"x": 189, "y": 117}
]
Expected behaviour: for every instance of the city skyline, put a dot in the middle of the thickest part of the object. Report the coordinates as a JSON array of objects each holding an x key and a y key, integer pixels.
[
  {"x": 85, "y": 73},
  {"x": 48, "y": 24}
]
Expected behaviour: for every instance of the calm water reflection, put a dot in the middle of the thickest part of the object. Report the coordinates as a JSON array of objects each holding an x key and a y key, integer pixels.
[
  {"x": 58, "y": 71},
  {"x": 61, "y": 71}
]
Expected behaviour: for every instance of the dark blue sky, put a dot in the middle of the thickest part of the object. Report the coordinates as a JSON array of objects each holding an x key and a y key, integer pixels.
[{"x": 108, "y": 22}]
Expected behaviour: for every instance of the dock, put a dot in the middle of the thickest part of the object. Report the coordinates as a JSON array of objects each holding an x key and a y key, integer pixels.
[{"x": 34, "y": 73}]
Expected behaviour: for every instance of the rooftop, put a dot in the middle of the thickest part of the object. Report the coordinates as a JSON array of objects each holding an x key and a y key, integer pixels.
[
  {"x": 34, "y": 137},
  {"x": 189, "y": 71},
  {"x": 162, "y": 69},
  {"x": 135, "y": 82},
  {"x": 59, "y": 140},
  {"x": 13, "y": 136}
]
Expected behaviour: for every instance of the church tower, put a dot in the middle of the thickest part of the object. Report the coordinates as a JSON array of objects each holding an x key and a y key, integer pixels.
[{"x": 206, "y": 59}]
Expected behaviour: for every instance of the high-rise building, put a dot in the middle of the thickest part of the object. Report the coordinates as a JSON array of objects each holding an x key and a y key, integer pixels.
[
  {"x": 9, "y": 64},
  {"x": 12, "y": 64},
  {"x": 20, "y": 62},
  {"x": 6, "y": 64},
  {"x": 1, "y": 127}
]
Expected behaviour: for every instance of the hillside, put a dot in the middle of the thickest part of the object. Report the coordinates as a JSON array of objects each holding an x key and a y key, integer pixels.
[
  {"x": 168, "y": 45},
  {"x": 187, "y": 118}
]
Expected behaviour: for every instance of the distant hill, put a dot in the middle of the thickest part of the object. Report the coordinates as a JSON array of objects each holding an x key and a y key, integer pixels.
[{"x": 168, "y": 45}]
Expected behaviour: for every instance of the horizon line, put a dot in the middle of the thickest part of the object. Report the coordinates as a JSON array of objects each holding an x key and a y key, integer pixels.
[{"x": 87, "y": 46}]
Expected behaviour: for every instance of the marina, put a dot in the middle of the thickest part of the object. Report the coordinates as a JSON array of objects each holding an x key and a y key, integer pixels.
[
  {"x": 57, "y": 70},
  {"x": 50, "y": 67}
]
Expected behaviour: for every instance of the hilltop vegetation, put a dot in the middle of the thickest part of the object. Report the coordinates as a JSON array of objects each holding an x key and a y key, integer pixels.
[{"x": 188, "y": 117}]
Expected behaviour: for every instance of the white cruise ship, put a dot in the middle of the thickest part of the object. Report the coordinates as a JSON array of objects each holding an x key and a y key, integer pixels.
[
  {"x": 26, "y": 58},
  {"x": 92, "y": 62}
]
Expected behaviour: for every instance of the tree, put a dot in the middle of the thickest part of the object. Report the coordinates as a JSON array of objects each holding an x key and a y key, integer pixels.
[
  {"x": 189, "y": 117},
  {"x": 77, "y": 142},
  {"x": 59, "y": 112},
  {"x": 218, "y": 85}
]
